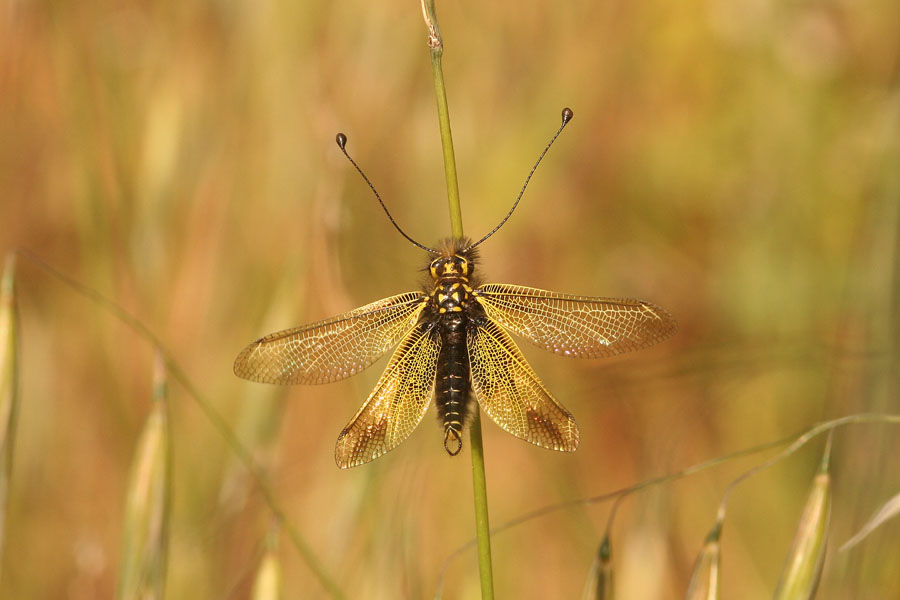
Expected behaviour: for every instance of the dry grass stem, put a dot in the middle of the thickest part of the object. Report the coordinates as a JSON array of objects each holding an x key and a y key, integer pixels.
[{"x": 890, "y": 510}]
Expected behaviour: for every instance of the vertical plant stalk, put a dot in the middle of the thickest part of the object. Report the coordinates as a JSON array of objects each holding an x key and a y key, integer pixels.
[
  {"x": 479, "y": 481},
  {"x": 482, "y": 523},
  {"x": 436, "y": 49}
]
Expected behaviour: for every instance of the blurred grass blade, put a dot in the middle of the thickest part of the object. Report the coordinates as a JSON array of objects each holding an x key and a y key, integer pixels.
[
  {"x": 145, "y": 540},
  {"x": 599, "y": 584},
  {"x": 267, "y": 585},
  {"x": 890, "y": 510},
  {"x": 258, "y": 426},
  {"x": 704, "y": 583},
  {"x": 262, "y": 408},
  {"x": 803, "y": 567},
  {"x": 8, "y": 384}
]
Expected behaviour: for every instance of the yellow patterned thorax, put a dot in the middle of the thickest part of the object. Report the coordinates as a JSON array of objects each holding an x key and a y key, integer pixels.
[
  {"x": 451, "y": 276},
  {"x": 450, "y": 267}
]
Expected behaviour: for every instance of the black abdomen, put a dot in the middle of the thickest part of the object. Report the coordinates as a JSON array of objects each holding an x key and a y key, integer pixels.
[{"x": 452, "y": 386}]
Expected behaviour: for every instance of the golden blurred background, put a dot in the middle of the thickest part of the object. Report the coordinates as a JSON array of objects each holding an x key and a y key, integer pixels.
[{"x": 735, "y": 161}]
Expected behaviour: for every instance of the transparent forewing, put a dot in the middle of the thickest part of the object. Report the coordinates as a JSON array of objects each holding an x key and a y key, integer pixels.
[
  {"x": 577, "y": 326},
  {"x": 333, "y": 349},
  {"x": 512, "y": 395},
  {"x": 397, "y": 403}
]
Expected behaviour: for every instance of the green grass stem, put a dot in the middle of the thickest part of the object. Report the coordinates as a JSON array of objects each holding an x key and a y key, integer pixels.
[
  {"x": 436, "y": 50},
  {"x": 479, "y": 480}
]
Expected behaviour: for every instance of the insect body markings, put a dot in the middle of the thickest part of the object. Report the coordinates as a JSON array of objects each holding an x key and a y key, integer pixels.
[
  {"x": 453, "y": 308},
  {"x": 453, "y": 345}
]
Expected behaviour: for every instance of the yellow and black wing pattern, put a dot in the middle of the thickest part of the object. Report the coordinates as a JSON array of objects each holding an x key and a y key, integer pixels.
[
  {"x": 511, "y": 394},
  {"x": 578, "y": 326},
  {"x": 332, "y": 349},
  {"x": 398, "y": 402}
]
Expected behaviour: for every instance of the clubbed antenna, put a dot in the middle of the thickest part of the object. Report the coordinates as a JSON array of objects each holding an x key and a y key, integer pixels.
[
  {"x": 567, "y": 115},
  {"x": 341, "y": 140}
]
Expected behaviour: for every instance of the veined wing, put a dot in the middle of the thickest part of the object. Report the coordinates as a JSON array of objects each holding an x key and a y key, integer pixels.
[
  {"x": 577, "y": 326},
  {"x": 333, "y": 349},
  {"x": 512, "y": 395},
  {"x": 397, "y": 403}
]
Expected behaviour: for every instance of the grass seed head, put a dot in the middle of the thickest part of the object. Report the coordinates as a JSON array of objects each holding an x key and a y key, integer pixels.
[
  {"x": 803, "y": 566},
  {"x": 599, "y": 584},
  {"x": 267, "y": 585},
  {"x": 704, "y": 583}
]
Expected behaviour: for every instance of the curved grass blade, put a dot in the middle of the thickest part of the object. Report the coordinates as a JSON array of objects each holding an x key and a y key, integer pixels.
[
  {"x": 890, "y": 510},
  {"x": 209, "y": 412}
]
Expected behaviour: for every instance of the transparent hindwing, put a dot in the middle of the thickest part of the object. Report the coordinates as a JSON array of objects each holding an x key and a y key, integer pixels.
[
  {"x": 512, "y": 395},
  {"x": 397, "y": 404}
]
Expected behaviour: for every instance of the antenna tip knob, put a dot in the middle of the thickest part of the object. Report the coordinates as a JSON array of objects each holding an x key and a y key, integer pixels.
[
  {"x": 567, "y": 115},
  {"x": 341, "y": 140}
]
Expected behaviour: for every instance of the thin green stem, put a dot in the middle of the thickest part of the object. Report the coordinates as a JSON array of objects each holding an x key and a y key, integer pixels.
[
  {"x": 482, "y": 523},
  {"x": 436, "y": 50},
  {"x": 479, "y": 481}
]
